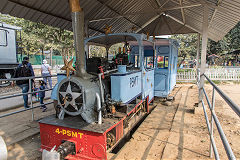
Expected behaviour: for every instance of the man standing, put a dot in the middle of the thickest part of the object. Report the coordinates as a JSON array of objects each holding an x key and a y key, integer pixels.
[
  {"x": 24, "y": 70},
  {"x": 46, "y": 71}
]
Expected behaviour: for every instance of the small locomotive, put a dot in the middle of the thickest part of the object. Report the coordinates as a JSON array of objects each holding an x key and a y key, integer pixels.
[{"x": 96, "y": 110}]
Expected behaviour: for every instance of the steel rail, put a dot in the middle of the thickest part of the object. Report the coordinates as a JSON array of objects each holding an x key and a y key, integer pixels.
[{"x": 234, "y": 106}]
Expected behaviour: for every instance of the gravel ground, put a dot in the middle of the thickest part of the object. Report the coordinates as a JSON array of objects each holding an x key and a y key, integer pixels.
[{"x": 9, "y": 90}]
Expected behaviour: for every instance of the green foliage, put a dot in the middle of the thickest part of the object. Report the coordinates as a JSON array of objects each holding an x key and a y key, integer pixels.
[
  {"x": 188, "y": 44},
  {"x": 38, "y": 36},
  {"x": 184, "y": 70}
]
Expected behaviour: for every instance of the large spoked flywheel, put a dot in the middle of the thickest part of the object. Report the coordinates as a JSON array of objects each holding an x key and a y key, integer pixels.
[
  {"x": 77, "y": 96},
  {"x": 71, "y": 97}
]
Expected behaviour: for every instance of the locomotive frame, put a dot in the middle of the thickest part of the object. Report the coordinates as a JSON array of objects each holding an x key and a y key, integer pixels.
[{"x": 77, "y": 139}]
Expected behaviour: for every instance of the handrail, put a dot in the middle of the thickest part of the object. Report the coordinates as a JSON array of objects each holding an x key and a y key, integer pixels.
[
  {"x": 20, "y": 94},
  {"x": 220, "y": 130},
  {"x": 234, "y": 107},
  {"x": 26, "y": 78},
  {"x": 23, "y": 110}
]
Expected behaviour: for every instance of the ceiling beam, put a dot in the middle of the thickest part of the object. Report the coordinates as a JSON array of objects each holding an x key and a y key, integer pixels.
[
  {"x": 115, "y": 11},
  {"x": 153, "y": 18},
  {"x": 158, "y": 3},
  {"x": 177, "y": 20},
  {"x": 221, "y": 9},
  {"x": 169, "y": 27},
  {"x": 182, "y": 11},
  {"x": 164, "y": 3},
  {"x": 153, "y": 11},
  {"x": 50, "y": 14},
  {"x": 214, "y": 13},
  {"x": 148, "y": 22}
]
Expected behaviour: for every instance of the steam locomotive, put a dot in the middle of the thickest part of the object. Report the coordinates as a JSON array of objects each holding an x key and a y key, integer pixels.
[{"x": 95, "y": 110}]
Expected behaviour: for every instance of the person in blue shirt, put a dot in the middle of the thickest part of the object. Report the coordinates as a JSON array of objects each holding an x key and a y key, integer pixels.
[
  {"x": 24, "y": 70},
  {"x": 42, "y": 94}
]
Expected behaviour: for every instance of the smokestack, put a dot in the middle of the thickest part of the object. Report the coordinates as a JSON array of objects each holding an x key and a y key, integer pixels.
[{"x": 78, "y": 33}]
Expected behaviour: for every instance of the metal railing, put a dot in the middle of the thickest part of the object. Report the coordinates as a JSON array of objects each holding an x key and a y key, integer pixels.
[
  {"x": 30, "y": 92},
  {"x": 214, "y": 118}
]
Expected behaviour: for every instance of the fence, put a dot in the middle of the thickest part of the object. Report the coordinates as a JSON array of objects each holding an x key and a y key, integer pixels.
[
  {"x": 28, "y": 93},
  {"x": 214, "y": 118},
  {"x": 37, "y": 59},
  {"x": 221, "y": 74}
]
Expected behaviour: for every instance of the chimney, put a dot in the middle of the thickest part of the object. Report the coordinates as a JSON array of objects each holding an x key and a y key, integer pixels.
[{"x": 78, "y": 34}]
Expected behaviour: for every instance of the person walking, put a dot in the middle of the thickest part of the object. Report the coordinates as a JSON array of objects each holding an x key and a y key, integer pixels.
[
  {"x": 46, "y": 71},
  {"x": 24, "y": 70}
]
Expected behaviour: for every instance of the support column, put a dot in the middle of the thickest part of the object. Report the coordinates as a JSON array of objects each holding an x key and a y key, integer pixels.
[
  {"x": 198, "y": 50},
  {"x": 86, "y": 28},
  {"x": 204, "y": 52},
  {"x": 78, "y": 34},
  {"x": 107, "y": 51},
  {"x": 197, "y": 63}
]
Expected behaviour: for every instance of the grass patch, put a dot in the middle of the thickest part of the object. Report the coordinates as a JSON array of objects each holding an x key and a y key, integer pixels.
[
  {"x": 236, "y": 82},
  {"x": 184, "y": 70}
]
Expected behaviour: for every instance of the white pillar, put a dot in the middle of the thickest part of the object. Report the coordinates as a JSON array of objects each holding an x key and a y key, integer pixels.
[
  {"x": 204, "y": 51},
  {"x": 198, "y": 50}
]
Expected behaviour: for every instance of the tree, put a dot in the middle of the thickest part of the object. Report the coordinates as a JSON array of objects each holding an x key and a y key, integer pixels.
[
  {"x": 38, "y": 36},
  {"x": 187, "y": 47}
]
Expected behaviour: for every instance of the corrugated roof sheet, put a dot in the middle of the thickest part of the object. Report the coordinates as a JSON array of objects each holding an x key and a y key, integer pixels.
[{"x": 158, "y": 17}]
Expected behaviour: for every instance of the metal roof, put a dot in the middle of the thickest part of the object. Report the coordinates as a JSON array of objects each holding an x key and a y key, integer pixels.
[{"x": 158, "y": 17}]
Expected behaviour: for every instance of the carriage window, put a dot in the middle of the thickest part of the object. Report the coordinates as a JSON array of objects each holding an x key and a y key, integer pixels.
[
  {"x": 97, "y": 51},
  {"x": 148, "y": 62},
  {"x": 136, "y": 60},
  {"x": 3, "y": 38},
  {"x": 162, "y": 61},
  {"x": 165, "y": 61}
]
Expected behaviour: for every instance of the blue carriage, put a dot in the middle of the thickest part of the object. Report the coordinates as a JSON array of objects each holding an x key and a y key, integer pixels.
[{"x": 165, "y": 66}]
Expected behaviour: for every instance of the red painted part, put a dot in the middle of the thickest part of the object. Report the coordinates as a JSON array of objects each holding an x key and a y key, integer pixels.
[
  {"x": 121, "y": 60},
  {"x": 89, "y": 145},
  {"x": 101, "y": 70},
  {"x": 134, "y": 109},
  {"x": 151, "y": 100},
  {"x": 119, "y": 131},
  {"x": 147, "y": 104}
]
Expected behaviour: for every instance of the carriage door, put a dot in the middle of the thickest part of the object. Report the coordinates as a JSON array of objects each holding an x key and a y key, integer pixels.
[{"x": 161, "y": 82}]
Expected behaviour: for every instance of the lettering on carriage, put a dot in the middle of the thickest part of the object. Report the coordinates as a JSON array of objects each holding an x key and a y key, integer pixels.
[
  {"x": 133, "y": 81},
  {"x": 69, "y": 133}
]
